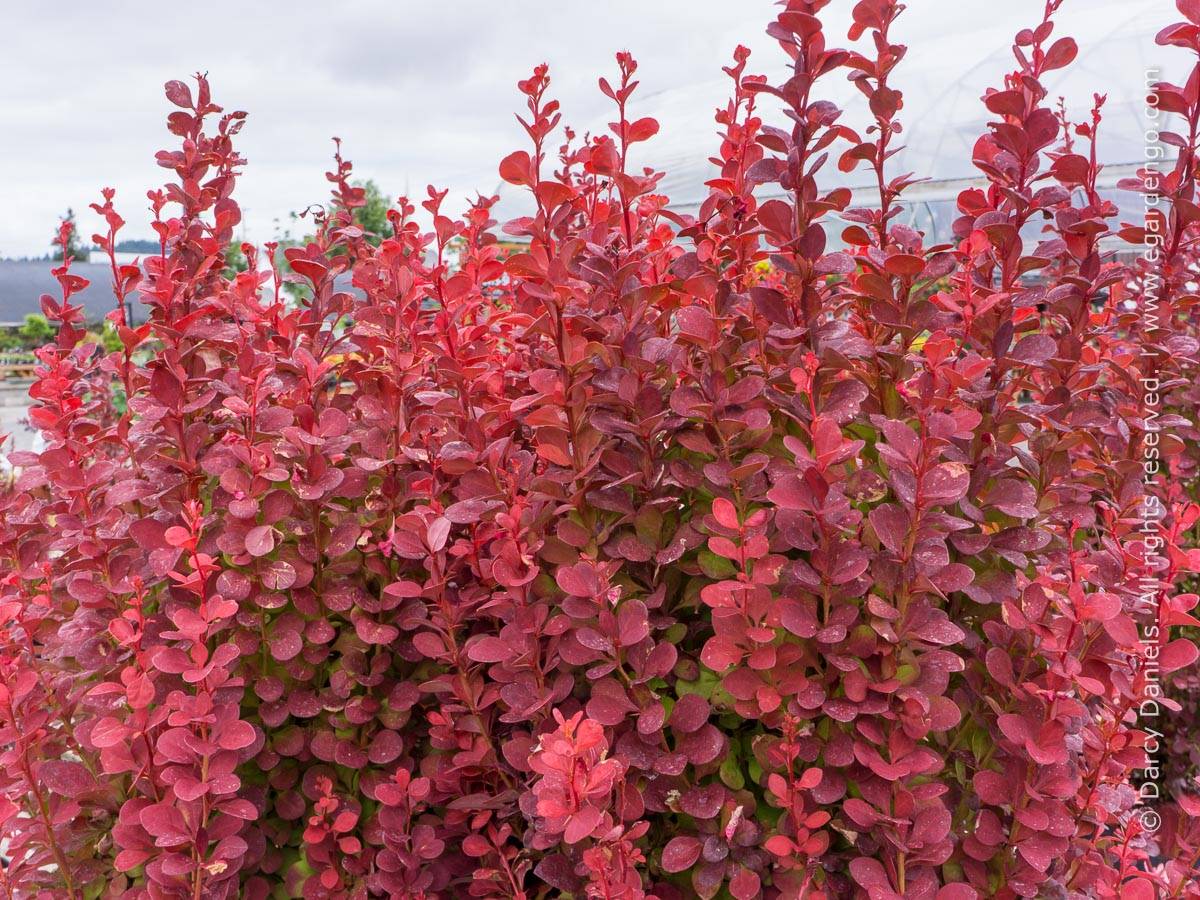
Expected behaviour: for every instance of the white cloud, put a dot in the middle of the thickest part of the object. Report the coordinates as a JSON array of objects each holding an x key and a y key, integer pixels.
[{"x": 418, "y": 91}]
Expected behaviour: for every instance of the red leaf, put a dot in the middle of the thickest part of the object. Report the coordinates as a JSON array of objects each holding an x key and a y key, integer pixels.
[
  {"x": 726, "y": 514},
  {"x": 680, "y": 854},
  {"x": 187, "y": 788},
  {"x": 633, "y": 624},
  {"x": 70, "y": 779},
  {"x": 1034, "y": 349},
  {"x": 1140, "y": 887},
  {"x": 128, "y": 860},
  {"x": 870, "y": 873},
  {"x": 371, "y": 632},
  {"x": 489, "y": 650},
  {"x": 439, "y": 531},
  {"x": 641, "y": 130},
  {"x": 697, "y": 324},
  {"x": 177, "y": 536},
  {"x": 516, "y": 168},
  {"x": 1178, "y": 654},
  {"x": 891, "y": 524},
  {"x": 1099, "y": 607},
  {"x": 239, "y": 809},
  {"x": 108, "y": 732},
  {"x": 285, "y": 645},
  {"x": 957, "y": 892},
  {"x": 992, "y": 788},
  {"x": 780, "y": 845},
  {"x": 466, "y": 512},
  {"x": 904, "y": 265},
  {"x": 690, "y": 713},
  {"x": 260, "y": 540},
  {"x": 1015, "y": 498},
  {"x": 1061, "y": 53},
  {"x": 179, "y": 94},
  {"x": 744, "y": 884},
  {"x": 945, "y": 483},
  {"x": 720, "y": 653},
  {"x": 798, "y": 617},
  {"x": 860, "y": 812},
  {"x": 578, "y": 581},
  {"x": 236, "y": 735},
  {"x": 279, "y": 575},
  {"x": 582, "y": 824},
  {"x": 476, "y": 845},
  {"x": 1040, "y": 850},
  {"x": 703, "y": 802},
  {"x": 403, "y": 590},
  {"x": 308, "y": 268}
]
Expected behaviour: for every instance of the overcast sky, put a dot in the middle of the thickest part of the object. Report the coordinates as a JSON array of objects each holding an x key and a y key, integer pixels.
[{"x": 418, "y": 91}]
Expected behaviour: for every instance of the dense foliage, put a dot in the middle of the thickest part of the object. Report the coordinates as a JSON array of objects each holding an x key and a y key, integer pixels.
[
  {"x": 666, "y": 556},
  {"x": 33, "y": 333}
]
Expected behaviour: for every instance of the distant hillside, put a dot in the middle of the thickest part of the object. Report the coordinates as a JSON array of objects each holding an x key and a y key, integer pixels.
[{"x": 137, "y": 245}]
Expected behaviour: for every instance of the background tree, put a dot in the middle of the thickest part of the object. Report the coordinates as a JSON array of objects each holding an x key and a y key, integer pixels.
[
  {"x": 36, "y": 331},
  {"x": 235, "y": 261},
  {"x": 372, "y": 215},
  {"x": 75, "y": 247}
]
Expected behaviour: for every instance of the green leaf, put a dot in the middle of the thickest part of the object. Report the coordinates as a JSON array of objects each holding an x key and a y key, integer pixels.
[
  {"x": 703, "y": 685},
  {"x": 756, "y": 770},
  {"x": 715, "y": 567},
  {"x": 981, "y": 742},
  {"x": 675, "y": 633},
  {"x": 731, "y": 773}
]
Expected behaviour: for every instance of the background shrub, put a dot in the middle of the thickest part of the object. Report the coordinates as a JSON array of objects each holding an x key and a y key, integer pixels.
[{"x": 669, "y": 556}]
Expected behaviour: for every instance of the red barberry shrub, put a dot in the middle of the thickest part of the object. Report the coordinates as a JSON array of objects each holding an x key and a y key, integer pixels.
[{"x": 766, "y": 550}]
